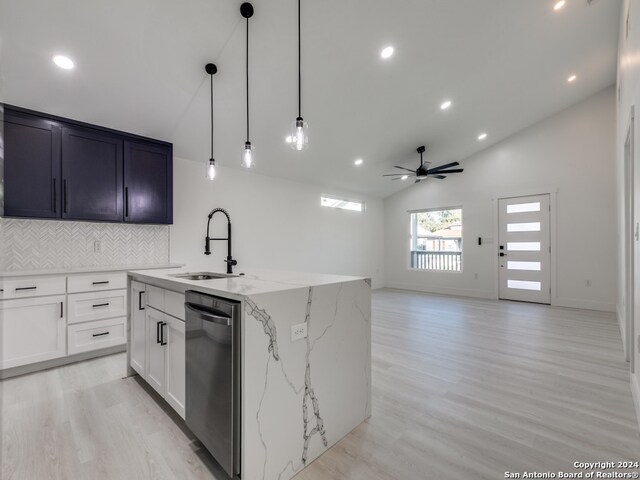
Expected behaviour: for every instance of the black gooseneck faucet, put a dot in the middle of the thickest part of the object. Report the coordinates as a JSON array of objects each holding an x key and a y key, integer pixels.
[{"x": 207, "y": 240}]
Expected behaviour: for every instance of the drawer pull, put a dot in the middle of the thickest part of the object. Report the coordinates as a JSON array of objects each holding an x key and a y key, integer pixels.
[
  {"x": 105, "y": 282},
  {"x": 100, "y": 334},
  {"x": 25, "y": 288},
  {"x": 101, "y": 305}
]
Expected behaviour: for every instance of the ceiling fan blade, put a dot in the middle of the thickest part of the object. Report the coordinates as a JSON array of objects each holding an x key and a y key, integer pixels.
[
  {"x": 448, "y": 165},
  {"x": 441, "y": 177},
  {"x": 444, "y": 172},
  {"x": 393, "y": 174},
  {"x": 417, "y": 180},
  {"x": 403, "y": 168}
]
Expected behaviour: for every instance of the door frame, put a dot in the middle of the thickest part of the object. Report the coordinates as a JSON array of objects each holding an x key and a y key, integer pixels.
[
  {"x": 629, "y": 240},
  {"x": 552, "y": 192}
]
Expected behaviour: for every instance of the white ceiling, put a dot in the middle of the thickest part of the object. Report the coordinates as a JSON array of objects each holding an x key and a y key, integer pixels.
[{"x": 140, "y": 68}]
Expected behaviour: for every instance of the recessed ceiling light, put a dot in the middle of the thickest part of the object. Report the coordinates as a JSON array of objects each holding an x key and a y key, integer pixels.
[
  {"x": 386, "y": 52},
  {"x": 445, "y": 105},
  {"x": 482, "y": 136},
  {"x": 559, "y": 5},
  {"x": 404, "y": 177},
  {"x": 572, "y": 78},
  {"x": 358, "y": 162},
  {"x": 63, "y": 62}
]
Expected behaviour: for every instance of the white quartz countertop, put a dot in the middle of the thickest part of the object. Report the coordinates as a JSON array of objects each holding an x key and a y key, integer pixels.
[
  {"x": 253, "y": 282},
  {"x": 90, "y": 269}
]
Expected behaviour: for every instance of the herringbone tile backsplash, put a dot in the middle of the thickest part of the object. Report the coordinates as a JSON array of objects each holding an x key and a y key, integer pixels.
[{"x": 46, "y": 244}]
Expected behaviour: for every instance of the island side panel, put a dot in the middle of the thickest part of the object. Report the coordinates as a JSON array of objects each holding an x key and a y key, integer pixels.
[{"x": 300, "y": 398}]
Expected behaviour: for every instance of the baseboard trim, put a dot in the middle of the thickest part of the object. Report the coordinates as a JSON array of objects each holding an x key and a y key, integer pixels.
[
  {"x": 584, "y": 304},
  {"x": 635, "y": 393},
  {"x": 441, "y": 291},
  {"x": 58, "y": 362}
]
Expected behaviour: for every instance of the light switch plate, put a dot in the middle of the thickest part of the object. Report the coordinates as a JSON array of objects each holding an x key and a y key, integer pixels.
[{"x": 298, "y": 332}]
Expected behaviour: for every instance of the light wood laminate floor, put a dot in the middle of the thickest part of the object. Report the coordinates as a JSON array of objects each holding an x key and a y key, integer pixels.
[{"x": 462, "y": 389}]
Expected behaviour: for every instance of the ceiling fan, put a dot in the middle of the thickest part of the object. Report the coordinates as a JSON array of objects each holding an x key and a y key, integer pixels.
[{"x": 422, "y": 172}]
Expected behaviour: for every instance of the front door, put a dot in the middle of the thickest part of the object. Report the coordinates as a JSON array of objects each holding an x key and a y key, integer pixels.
[{"x": 525, "y": 249}]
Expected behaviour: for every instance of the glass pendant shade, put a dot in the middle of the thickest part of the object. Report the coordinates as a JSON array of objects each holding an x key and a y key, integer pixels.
[
  {"x": 299, "y": 135},
  {"x": 211, "y": 169},
  {"x": 248, "y": 159}
]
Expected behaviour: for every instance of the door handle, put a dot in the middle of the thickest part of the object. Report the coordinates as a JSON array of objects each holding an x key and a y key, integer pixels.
[{"x": 502, "y": 254}]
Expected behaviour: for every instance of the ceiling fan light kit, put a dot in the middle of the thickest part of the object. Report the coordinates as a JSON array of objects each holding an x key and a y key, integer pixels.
[{"x": 423, "y": 172}]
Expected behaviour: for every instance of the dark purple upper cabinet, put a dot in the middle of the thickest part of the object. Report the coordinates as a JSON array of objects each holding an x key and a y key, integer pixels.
[
  {"x": 148, "y": 182},
  {"x": 32, "y": 183},
  {"x": 91, "y": 175}
]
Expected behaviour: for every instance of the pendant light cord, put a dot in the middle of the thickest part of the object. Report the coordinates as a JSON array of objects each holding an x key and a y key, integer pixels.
[
  {"x": 299, "y": 66},
  {"x": 211, "y": 116},
  {"x": 247, "y": 79}
]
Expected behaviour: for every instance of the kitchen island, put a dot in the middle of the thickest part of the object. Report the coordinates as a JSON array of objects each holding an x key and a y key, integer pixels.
[{"x": 298, "y": 397}]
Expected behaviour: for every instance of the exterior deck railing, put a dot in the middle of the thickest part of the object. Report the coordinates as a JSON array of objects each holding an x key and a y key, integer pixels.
[{"x": 448, "y": 261}]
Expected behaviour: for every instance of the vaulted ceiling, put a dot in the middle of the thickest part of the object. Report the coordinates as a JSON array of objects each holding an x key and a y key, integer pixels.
[{"x": 504, "y": 65}]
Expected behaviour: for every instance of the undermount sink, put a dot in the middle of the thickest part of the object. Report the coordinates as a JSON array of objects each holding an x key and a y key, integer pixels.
[{"x": 203, "y": 275}]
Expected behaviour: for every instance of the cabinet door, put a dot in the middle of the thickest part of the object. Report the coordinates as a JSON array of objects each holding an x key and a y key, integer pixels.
[
  {"x": 155, "y": 374},
  {"x": 32, "y": 330},
  {"x": 91, "y": 175},
  {"x": 138, "y": 330},
  {"x": 31, "y": 167},
  {"x": 148, "y": 179},
  {"x": 175, "y": 364}
]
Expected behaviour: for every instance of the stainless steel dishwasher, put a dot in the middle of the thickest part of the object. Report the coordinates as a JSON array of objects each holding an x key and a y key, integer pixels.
[{"x": 213, "y": 376}]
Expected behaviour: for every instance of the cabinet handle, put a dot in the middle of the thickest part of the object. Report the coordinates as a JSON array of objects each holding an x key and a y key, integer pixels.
[
  {"x": 100, "y": 334},
  {"x": 61, "y": 310},
  {"x": 65, "y": 198},
  {"x": 140, "y": 307},
  {"x": 162, "y": 340},
  {"x": 25, "y": 288},
  {"x": 158, "y": 326},
  {"x": 106, "y": 282},
  {"x": 126, "y": 201},
  {"x": 101, "y": 305},
  {"x": 55, "y": 208}
]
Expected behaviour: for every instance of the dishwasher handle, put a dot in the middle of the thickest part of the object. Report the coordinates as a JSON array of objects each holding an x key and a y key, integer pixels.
[{"x": 206, "y": 315}]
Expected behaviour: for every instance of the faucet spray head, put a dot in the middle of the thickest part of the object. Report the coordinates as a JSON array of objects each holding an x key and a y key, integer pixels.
[{"x": 207, "y": 245}]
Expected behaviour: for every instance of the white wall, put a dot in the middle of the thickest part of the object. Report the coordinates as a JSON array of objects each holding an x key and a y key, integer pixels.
[
  {"x": 572, "y": 153},
  {"x": 629, "y": 86},
  {"x": 277, "y": 224}
]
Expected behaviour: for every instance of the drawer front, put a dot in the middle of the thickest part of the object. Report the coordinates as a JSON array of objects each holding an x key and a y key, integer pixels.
[
  {"x": 155, "y": 297},
  {"x": 174, "y": 304},
  {"x": 26, "y": 287},
  {"x": 94, "y": 282},
  {"x": 87, "y": 307},
  {"x": 85, "y": 337}
]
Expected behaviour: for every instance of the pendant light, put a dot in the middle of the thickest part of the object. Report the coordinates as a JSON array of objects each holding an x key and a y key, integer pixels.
[
  {"x": 246, "y": 9},
  {"x": 211, "y": 69},
  {"x": 299, "y": 138}
]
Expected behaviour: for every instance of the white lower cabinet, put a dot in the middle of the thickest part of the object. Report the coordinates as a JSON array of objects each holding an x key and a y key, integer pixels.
[
  {"x": 175, "y": 362},
  {"x": 164, "y": 344},
  {"x": 138, "y": 349},
  {"x": 32, "y": 330},
  {"x": 85, "y": 337},
  {"x": 155, "y": 350}
]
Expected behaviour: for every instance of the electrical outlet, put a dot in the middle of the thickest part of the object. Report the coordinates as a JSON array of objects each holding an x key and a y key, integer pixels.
[
  {"x": 587, "y": 283},
  {"x": 97, "y": 246},
  {"x": 298, "y": 332}
]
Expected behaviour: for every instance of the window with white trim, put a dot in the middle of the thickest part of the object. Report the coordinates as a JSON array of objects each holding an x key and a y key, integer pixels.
[
  {"x": 436, "y": 239},
  {"x": 341, "y": 203}
]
